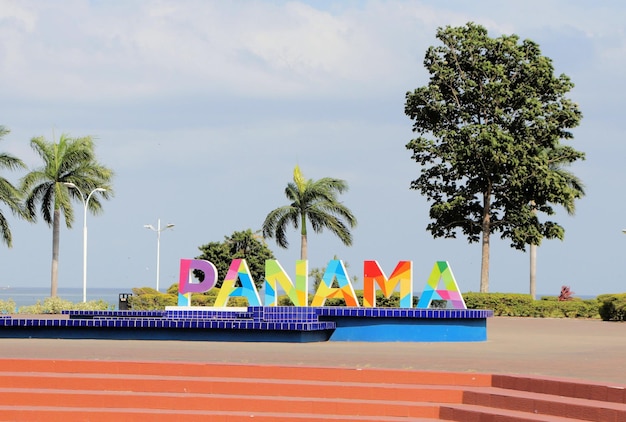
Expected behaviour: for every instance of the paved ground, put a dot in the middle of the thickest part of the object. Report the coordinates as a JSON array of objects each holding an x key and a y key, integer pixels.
[{"x": 584, "y": 349}]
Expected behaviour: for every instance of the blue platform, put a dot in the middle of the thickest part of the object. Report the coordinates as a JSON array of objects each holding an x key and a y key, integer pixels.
[{"x": 259, "y": 324}]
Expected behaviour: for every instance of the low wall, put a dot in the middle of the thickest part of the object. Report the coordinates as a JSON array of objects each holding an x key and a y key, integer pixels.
[{"x": 258, "y": 324}]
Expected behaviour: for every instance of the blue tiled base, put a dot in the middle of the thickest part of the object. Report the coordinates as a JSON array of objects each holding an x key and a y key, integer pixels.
[
  {"x": 259, "y": 324},
  {"x": 409, "y": 330},
  {"x": 181, "y": 334},
  {"x": 406, "y": 325}
]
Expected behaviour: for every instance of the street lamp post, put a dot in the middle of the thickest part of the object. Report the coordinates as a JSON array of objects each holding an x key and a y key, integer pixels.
[
  {"x": 158, "y": 231},
  {"x": 85, "y": 204}
]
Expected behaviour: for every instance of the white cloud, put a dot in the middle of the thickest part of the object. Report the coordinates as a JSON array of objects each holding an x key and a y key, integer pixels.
[{"x": 14, "y": 14}]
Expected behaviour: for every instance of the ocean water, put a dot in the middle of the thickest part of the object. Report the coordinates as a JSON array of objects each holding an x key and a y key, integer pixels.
[{"x": 24, "y": 296}]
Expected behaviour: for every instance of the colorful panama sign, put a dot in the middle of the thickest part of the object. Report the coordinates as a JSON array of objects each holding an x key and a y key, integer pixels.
[{"x": 441, "y": 284}]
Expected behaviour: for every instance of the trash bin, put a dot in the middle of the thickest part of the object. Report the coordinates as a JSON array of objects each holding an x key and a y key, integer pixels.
[{"x": 123, "y": 302}]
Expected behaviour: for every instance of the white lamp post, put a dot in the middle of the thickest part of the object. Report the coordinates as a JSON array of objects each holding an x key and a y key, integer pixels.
[
  {"x": 158, "y": 231},
  {"x": 85, "y": 203}
]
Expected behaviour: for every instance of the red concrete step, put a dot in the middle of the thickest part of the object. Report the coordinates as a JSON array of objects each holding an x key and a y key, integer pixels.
[
  {"x": 158, "y": 391},
  {"x": 223, "y": 385},
  {"x": 471, "y": 413},
  {"x": 221, "y": 402},
  {"x": 256, "y": 390},
  {"x": 65, "y": 414},
  {"x": 546, "y": 404},
  {"x": 390, "y": 376},
  {"x": 560, "y": 387}
]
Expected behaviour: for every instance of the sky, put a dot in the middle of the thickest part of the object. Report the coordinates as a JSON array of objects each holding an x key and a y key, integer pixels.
[{"x": 204, "y": 108}]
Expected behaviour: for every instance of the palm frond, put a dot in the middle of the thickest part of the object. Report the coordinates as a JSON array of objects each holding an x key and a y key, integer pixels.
[{"x": 315, "y": 201}]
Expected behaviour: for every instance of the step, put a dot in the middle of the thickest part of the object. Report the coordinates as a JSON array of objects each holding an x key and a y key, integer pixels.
[
  {"x": 545, "y": 404},
  {"x": 222, "y": 385},
  {"x": 64, "y": 390},
  {"x": 222, "y": 402},
  {"x": 473, "y": 413},
  {"x": 64, "y": 414},
  {"x": 378, "y": 376},
  {"x": 560, "y": 387}
]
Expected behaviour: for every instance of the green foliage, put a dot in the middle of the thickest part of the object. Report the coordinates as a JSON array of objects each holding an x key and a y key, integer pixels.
[
  {"x": 574, "y": 308},
  {"x": 148, "y": 299},
  {"x": 502, "y": 304},
  {"x": 315, "y": 202},
  {"x": 54, "y": 305},
  {"x": 612, "y": 307},
  {"x": 173, "y": 289},
  {"x": 9, "y": 194},
  {"x": 316, "y": 274},
  {"x": 239, "y": 245},
  {"x": 489, "y": 126},
  {"x": 521, "y": 305},
  {"x": 7, "y": 306},
  {"x": 70, "y": 160}
]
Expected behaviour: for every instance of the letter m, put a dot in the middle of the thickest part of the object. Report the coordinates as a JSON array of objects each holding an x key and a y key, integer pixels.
[{"x": 373, "y": 275}]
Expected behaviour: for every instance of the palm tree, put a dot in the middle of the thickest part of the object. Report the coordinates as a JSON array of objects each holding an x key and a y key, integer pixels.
[
  {"x": 577, "y": 189},
  {"x": 9, "y": 194},
  {"x": 315, "y": 201},
  {"x": 71, "y": 160}
]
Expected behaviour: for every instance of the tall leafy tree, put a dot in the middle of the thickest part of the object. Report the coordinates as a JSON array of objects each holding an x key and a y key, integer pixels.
[
  {"x": 487, "y": 122},
  {"x": 315, "y": 202},
  {"x": 9, "y": 194},
  {"x": 239, "y": 245},
  {"x": 70, "y": 160}
]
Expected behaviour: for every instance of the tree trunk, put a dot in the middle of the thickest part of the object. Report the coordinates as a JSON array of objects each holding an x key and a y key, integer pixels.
[
  {"x": 533, "y": 262},
  {"x": 303, "y": 247},
  {"x": 56, "y": 223},
  {"x": 303, "y": 240},
  {"x": 486, "y": 232},
  {"x": 533, "y": 271}
]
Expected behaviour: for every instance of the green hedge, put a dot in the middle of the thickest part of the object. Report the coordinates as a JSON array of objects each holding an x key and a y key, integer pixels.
[
  {"x": 147, "y": 298},
  {"x": 7, "y": 306},
  {"x": 613, "y": 307},
  {"x": 54, "y": 305},
  {"x": 610, "y": 307},
  {"x": 522, "y": 305}
]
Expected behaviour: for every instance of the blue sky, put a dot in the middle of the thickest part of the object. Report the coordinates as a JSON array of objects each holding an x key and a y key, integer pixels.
[{"x": 203, "y": 108}]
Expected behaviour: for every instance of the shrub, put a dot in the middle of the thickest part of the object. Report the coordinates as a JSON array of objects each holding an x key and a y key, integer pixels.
[
  {"x": 612, "y": 307},
  {"x": 148, "y": 299},
  {"x": 502, "y": 304},
  {"x": 573, "y": 308},
  {"x": 521, "y": 305},
  {"x": 145, "y": 299},
  {"x": 7, "y": 306},
  {"x": 54, "y": 305}
]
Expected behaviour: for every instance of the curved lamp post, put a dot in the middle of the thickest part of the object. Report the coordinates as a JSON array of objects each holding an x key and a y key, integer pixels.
[
  {"x": 158, "y": 231},
  {"x": 85, "y": 204}
]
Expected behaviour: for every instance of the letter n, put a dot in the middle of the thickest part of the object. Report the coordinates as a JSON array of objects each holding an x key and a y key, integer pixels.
[
  {"x": 238, "y": 270},
  {"x": 275, "y": 275},
  {"x": 335, "y": 270}
]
